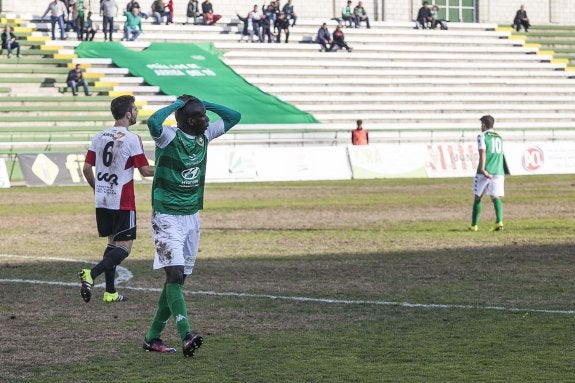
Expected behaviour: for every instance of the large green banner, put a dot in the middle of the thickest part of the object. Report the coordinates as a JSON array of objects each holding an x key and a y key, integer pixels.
[{"x": 196, "y": 69}]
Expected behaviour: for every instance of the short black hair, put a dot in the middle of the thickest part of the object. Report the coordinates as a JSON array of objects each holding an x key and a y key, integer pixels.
[
  {"x": 121, "y": 105},
  {"x": 488, "y": 121},
  {"x": 185, "y": 112}
]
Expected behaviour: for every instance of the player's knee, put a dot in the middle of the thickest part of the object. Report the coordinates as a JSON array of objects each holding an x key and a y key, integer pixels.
[{"x": 114, "y": 257}]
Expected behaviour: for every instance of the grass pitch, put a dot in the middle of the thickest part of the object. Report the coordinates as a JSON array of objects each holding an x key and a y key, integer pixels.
[{"x": 356, "y": 281}]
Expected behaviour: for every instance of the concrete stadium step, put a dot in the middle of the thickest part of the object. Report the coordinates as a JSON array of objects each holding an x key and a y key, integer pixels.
[
  {"x": 397, "y": 74},
  {"x": 437, "y": 90},
  {"x": 353, "y": 62},
  {"x": 415, "y": 81},
  {"x": 472, "y": 97},
  {"x": 453, "y": 117},
  {"x": 375, "y": 58},
  {"x": 236, "y": 48},
  {"x": 435, "y": 108}
]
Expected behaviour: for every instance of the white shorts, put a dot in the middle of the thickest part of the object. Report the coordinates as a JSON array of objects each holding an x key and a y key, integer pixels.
[
  {"x": 176, "y": 239},
  {"x": 494, "y": 186}
]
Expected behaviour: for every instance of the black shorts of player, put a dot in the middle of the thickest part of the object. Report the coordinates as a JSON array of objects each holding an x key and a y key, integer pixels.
[{"x": 120, "y": 224}]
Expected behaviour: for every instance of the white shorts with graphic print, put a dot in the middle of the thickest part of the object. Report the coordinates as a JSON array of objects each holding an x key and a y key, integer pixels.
[
  {"x": 176, "y": 238},
  {"x": 495, "y": 186}
]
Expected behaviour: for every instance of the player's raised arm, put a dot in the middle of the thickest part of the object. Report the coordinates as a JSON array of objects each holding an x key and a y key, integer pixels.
[
  {"x": 229, "y": 116},
  {"x": 156, "y": 120}
]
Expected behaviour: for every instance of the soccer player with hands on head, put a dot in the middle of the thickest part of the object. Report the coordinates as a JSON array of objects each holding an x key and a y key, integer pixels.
[{"x": 177, "y": 198}]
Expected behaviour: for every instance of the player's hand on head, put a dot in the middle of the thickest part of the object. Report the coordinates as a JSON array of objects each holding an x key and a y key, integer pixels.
[{"x": 187, "y": 98}]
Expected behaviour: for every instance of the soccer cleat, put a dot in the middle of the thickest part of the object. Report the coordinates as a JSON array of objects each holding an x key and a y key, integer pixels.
[
  {"x": 191, "y": 343},
  {"x": 498, "y": 226},
  {"x": 87, "y": 283},
  {"x": 157, "y": 345},
  {"x": 473, "y": 228},
  {"x": 114, "y": 297}
]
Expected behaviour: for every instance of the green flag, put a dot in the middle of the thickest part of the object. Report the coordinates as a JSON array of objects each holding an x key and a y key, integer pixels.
[{"x": 196, "y": 69}]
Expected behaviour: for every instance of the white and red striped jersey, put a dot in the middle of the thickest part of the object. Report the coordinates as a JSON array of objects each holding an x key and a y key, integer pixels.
[{"x": 115, "y": 153}]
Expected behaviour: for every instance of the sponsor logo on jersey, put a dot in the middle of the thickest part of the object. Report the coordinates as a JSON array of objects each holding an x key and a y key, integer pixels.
[
  {"x": 191, "y": 174},
  {"x": 200, "y": 140},
  {"x": 111, "y": 178}
]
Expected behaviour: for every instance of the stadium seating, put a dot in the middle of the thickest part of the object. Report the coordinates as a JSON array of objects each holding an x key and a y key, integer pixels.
[{"x": 404, "y": 83}]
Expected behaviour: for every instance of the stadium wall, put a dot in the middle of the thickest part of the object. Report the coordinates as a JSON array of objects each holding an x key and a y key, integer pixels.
[
  {"x": 491, "y": 11},
  {"x": 393, "y": 160}
]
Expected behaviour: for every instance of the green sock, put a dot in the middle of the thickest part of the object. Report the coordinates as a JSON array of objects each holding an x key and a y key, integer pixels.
[
  {"x": 175, "y": 298},
  {"x": 498, "y": 204},
  {"x": 162, "y": 317},
  {"x": 477, "y": 205}
]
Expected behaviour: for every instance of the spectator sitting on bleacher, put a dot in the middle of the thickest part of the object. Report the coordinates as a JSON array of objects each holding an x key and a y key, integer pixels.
[
  {"x": 108, "y": 10},
  {"x": 89, "y": 28},
  {"x": 159, "y": 11},
  {"x": 76, "y": 78},
  {"x": 133, "y": 25},
  {"x": 435, "y": 20},
  {"x": 282, "y": 25},
  {"x": 134, "y": 4},
  {"x": 521, "y": 19},
  {"x": 208, "y": 10},
  {"x": 360, "y": 15},
  {"x": 424, "y": 18},
  {"x": 58, "y": 13},
  {"x": 193, "y": 11},
  {"x": 346, "y": 15},
  {"x": 323, "y": 38},
  {"x": 289, "y": 13},
  {"x": 9, "y": 41},
  {"x": 339, "y": 40},
  {"x": 248, "y": 30}
]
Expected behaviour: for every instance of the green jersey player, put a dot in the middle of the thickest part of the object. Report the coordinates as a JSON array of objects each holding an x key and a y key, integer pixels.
[
  {"x": 177, "y": 197},
  {"x": 490, "y": 176}
]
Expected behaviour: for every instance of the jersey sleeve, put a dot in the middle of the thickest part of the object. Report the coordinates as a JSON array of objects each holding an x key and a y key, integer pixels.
[
  {"x": 480, "y": 141},
  {"x": 90, "y": 158},
  {"x": 138, "y": 155},
  {"x": 156, "y": 120},
  {"x": 229, "y": 116}
]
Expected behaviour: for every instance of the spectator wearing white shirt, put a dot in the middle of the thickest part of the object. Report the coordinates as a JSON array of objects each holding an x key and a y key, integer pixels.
[{"x": 58, "y": 13}]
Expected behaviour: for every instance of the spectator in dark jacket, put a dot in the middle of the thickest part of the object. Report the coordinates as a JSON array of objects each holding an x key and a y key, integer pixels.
[
  {"x": 424, "y": 18},
  {"x": 76, "y": 78},
  {"x": 323, "y": 38},
  {"x": 9, "y": 41},
  {"x": 282, "y": 24},
  {"x": 339, "y": 40},
  {"x": 521, "y": 19}
]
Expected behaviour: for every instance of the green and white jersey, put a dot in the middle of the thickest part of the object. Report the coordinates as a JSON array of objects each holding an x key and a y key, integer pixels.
[
  {"x": 180, "y": 174},
  {"x": 492, "y": 143},
  {"x": 181, "y": 159}
]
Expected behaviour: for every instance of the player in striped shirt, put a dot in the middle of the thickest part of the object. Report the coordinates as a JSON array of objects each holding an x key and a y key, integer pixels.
[
  {"x": 177, "y": 197},
  {"x": 490, "y": 176},
  {"x": 115, "y": 153}
]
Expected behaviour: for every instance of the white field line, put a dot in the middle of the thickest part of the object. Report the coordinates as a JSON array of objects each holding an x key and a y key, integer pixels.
[
  {"x": 129, "y": 275},
  {"x": 123, "y": 274}
]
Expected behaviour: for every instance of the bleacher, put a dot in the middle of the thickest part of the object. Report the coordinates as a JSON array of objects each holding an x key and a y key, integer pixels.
[{"x": 405, "y": 84}]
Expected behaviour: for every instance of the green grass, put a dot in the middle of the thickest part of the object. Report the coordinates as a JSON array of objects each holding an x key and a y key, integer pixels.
[{"x": 395, "y": 242}]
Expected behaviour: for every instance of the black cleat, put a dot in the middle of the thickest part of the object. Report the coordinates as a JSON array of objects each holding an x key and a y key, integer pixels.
[
  {"x": 87, "y": 283},
  {"x": 191, "y": 343}
]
